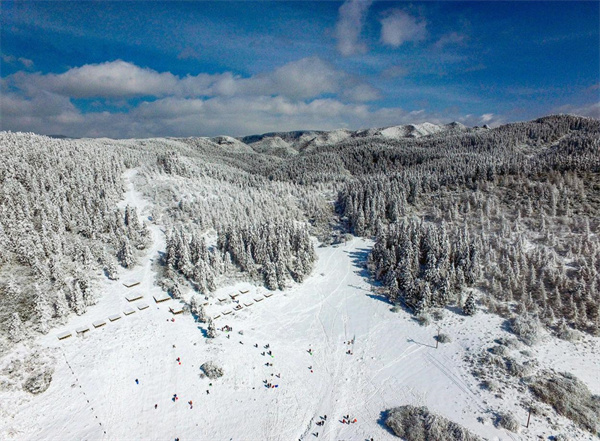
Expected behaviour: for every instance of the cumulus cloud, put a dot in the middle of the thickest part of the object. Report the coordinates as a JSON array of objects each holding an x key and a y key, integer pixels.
[
  {"x": 302, "y": 79},
  {"x": 309, "y": 92},
  {"x": 113, "y": 79},
  {"x": 349, "y": 26},
  {"x": 398, "y": 27},
  {"x": 222, "y": 115}
]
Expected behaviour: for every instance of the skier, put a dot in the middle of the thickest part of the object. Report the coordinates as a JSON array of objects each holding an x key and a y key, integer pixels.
[
  {"x": 137, "y": 381},
  {"x": 207, "y": 392},
  {"x": 325, "y": 417},
  {"x": 156, "y": 406}
]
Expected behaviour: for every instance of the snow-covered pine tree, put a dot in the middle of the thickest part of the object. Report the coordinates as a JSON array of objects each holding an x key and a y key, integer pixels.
[
  {"x": 125, "y": 254},
  {"x": 194, "y": 304},
  {"x": 202, "y": 316},
  {"x": 16, "y": 330},
  {"x": 469, "y": 308},
  {"x": 211, "y": 330}
]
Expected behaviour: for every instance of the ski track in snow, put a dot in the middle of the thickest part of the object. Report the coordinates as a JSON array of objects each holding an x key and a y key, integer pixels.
[{"x": 394, "y": 362}]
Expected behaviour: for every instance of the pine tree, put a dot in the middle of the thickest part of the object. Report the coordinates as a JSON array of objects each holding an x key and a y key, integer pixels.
[
  {"x": 211, "y": 329},
  {"x": 175, "y": 291},
  {"x": 42, "y": 309},
  {"x": 16, "y": 330},
  {"x": 125, "y": 254},
  {"x": 469, "y": 308},
  {"x": 194, "y": 304},
  {"x": 202, "y": 316},
  {"x": 111, "y": 271}
]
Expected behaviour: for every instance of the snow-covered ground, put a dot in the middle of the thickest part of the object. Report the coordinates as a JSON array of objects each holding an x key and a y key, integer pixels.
[{"x": 94, "y": 394}]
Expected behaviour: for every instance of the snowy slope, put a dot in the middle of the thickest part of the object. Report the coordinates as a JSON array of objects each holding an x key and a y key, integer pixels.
[{"x": 394, "y": 361}]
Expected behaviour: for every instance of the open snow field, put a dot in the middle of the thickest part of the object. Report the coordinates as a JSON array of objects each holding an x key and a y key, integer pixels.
[{"x": 394, "y": 361}]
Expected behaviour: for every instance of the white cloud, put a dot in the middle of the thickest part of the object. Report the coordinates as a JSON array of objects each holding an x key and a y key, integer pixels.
[
  {"x": 487, "y": 117},
  {"x": 305, "y": 94},
  {"x": 453, "y": 38},
  {"x": 591, "y": 110},
  {"x": 115, "y": 79},
  {"x": 349, "y": 26},
  {"x": 230, "y": 115},
  {"x": 25, "y": 62},
  {"x": 11, "y": 59},
  {"x": 302, "y": 79},
  {"x": 398, "y": 27}
]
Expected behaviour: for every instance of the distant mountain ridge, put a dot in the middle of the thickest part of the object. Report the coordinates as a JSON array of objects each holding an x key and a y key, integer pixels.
[{"x": 290, "y": 143}]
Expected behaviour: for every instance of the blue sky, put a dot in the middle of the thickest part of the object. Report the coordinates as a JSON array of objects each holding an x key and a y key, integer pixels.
[{"x": 140, "y": 69}]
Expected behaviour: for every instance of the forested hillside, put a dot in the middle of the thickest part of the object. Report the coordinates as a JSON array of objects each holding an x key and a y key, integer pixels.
[{"x": 506, "y": 216}]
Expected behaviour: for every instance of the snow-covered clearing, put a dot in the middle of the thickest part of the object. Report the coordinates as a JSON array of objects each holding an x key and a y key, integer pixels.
[{"x": 393, "y": 361}]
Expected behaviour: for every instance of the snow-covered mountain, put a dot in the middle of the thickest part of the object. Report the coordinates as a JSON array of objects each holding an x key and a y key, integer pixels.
[
  {"x": 301, "y": 140},
  {"x": 429, "y": 276}
]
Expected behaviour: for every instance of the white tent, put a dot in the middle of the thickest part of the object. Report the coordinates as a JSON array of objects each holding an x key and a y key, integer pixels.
[
  {"x": 258, "y": 299},
  {"x": 114, "y": 317},
  {"x": 99, "y": 323},
  {"x": 248, "y": 304},
  {"x": 177, "y": 309},
  {"x": 128, "y": 311},
  {"x": 83, "y": 329},
  {"x": 269, "y": 294},
  {"x": 142, "y": 306},
  {"x": 162, "y": 297},
  {"x": 64, "y": 335},
  {"x": 131, "y": 284},
  {"x": 134, "y": 297}
]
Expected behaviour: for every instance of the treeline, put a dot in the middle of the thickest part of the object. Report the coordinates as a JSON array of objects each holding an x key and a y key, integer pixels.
[
  {"x": 425, "y": 265},
  {"x": 59, "y": 223},
  {"x": 516, "y": 205},
  {"x": 269, "y": 253}
]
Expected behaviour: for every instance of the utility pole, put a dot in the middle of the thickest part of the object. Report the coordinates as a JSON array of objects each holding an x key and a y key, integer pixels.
[
  {"x": 528, "y": 417},
  {"x": 437, "y": 340}
]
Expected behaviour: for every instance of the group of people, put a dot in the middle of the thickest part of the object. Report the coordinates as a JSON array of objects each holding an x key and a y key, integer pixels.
[
  {"x": 346, "y": 419},
  {"x": 320, "y": 423}
]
